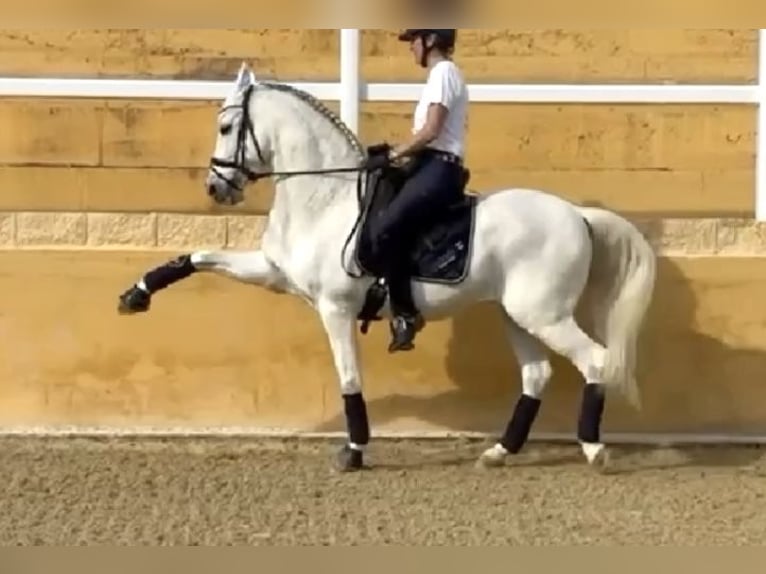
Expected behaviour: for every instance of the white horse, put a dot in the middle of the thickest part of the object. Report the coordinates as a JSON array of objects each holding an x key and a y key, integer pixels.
[{"x": 533, "y": 253}]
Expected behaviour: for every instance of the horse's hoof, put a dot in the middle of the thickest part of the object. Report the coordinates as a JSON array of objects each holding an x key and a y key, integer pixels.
[
  {"x": 350, "y": 460},
  {"x": 598, "y": 457},
  {"x": 602, "y": 462},
  {"x": 494, "y": 457},
  {"x": 134, "y": 300}
]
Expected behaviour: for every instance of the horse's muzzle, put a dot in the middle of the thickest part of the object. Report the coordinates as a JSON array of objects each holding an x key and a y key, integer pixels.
[{"x": 224, "y": 194}]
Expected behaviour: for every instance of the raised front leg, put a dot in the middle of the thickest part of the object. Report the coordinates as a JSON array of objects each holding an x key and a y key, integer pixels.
[
  {"x": 248, "y": 267},
  {"x": 339, "y": 325}
]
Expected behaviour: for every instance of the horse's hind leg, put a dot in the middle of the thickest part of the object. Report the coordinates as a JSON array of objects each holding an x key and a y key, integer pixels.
[
  {"x": 566, "y": 338},
  {"x": 536, "y": 372}
]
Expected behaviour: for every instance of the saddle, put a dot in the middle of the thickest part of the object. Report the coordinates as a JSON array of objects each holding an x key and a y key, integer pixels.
[{"x": 442, "y": 249}]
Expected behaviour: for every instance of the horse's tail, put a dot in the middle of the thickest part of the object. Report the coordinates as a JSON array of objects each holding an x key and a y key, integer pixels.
[{"x": 620, "y": 289}]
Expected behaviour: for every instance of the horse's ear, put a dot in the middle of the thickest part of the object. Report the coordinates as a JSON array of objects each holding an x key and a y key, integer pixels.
[{"x": 245, "y": 77}]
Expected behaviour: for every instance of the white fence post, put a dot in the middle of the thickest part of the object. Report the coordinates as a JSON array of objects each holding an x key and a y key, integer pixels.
[
  {"x": 760, "y": 141},
  {"x": 350, "y": 77}
]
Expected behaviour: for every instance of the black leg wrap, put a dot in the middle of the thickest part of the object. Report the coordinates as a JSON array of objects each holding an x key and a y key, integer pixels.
[
  {"x": 172, "y": 272},
  {"x": 591, "y": 411},
  {"x": 356, "y": 419},
  {"x": 520, "y": 425}
]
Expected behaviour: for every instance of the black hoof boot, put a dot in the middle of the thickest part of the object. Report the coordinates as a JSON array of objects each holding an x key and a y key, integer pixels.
[
  {"x": 134, "y": 300},
  {"x": 350, "y": 460},
  {"x": 403, "y": 331}
]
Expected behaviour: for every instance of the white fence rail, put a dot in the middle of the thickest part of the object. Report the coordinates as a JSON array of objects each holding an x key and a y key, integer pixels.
[{"x": 351, "y": 91}]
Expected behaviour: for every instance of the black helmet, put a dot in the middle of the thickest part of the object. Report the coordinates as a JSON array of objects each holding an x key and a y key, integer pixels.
[{"x": 445, "y": 38}]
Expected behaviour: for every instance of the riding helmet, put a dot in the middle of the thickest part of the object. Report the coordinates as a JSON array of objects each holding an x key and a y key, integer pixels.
[{"x": 446, "y": 38}]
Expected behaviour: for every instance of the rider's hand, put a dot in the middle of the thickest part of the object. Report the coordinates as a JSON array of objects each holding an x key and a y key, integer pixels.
[
  {"x": 396, "y": 157},
  {"x": 376, "y": 162}
]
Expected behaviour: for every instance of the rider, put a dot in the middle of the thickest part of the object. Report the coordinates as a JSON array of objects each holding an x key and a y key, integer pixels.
[{"x": 435, "y": 171}]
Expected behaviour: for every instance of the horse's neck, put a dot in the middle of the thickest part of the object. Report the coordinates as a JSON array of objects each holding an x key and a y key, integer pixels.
[{"x": 310, "y": 206}]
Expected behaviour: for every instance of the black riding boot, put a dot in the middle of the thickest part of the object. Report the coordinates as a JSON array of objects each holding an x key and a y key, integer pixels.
[{"x": 407, "y": 320}]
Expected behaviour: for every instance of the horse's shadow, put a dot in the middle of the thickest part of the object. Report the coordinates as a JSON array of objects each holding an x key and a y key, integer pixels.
[{"x": 672, "y": 355}]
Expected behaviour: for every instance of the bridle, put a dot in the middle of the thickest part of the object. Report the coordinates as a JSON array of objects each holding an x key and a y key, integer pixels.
[{"x": 239, "y": 163}]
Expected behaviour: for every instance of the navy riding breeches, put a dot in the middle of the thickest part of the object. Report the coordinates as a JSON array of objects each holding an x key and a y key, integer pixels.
[{"x": 434, "y": 185}]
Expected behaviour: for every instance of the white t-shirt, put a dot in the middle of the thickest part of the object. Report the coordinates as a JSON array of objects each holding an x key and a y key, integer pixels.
[{"x": 445, "y": 86}]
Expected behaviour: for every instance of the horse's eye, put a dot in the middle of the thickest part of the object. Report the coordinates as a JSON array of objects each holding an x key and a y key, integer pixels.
[{"x": 225, "y": 129}]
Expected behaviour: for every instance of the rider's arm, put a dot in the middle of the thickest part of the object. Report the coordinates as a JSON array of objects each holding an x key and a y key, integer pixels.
[
  {"x": 442, "y": 88},
  {"x": 437, "y": 115}
]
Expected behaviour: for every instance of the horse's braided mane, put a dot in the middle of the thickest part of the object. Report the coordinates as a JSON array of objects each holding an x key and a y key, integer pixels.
[{"x": 320, "y": 107}]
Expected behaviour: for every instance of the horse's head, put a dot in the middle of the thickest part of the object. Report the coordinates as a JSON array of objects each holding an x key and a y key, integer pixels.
[{"x": 238, "y": 154}]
